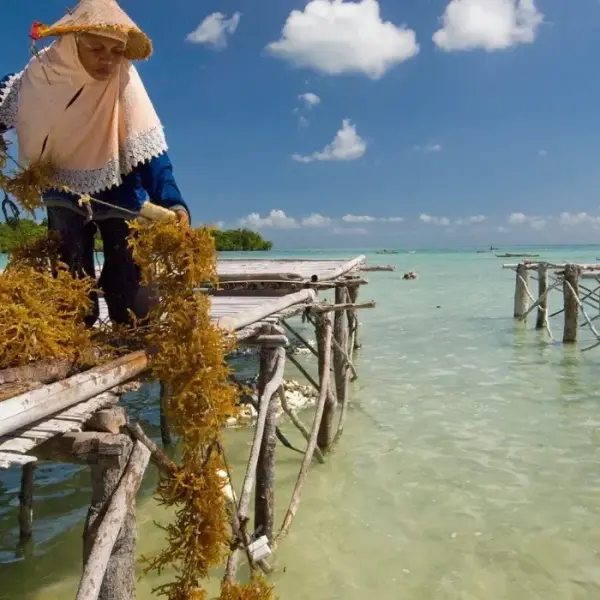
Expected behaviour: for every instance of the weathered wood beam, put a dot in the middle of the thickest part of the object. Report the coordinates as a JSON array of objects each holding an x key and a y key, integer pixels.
[
  {"x": 325, "y": 308},
  {"x": 521, "y": 293},
  {"x": 324, "y": 337},
  {"x": 26, "y": 502},
  {"x": 110, "y": 532},
  {"x": 264, "y": 497},
  {"x": 353, "y": 323},
  {"x": 312, "y": 444},
  {"x": 276, "y": 365},
  {"x": 340, "y": 341},
  {"x": 571, "y": 304},
  {"x": 540, "y": 322},
  {"x": 22, "y": 410}
]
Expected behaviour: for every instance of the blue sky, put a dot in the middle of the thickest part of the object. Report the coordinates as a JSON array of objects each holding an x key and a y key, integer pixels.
[{"x": 473, "y": 121}]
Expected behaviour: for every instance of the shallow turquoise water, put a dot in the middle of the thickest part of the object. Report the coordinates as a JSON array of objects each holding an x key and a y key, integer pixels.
[{"x": 469, "y": 468}]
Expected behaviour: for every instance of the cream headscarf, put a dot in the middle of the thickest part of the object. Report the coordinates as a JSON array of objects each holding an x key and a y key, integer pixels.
[{"x": 109, "y": 129}]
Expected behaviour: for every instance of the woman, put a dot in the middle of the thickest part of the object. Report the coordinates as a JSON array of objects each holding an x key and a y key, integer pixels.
[{"x": 81, "y": 105}]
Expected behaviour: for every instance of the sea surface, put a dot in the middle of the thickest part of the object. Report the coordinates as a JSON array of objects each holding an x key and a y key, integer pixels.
[{"x": 469, "y": 468}]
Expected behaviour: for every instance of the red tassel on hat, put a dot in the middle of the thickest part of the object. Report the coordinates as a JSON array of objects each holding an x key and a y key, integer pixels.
[{"x": 36, "y": 31}]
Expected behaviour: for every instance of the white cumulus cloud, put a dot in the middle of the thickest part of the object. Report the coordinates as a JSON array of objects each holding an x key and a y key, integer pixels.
[
  {"x": 347, "y": 145},
  {"x": 488, "y": 24},
  {"x": 276, "y": 219},
  {"x": 443, "y": 221},
  {"x": 534, "y": 222},
  {"x": 574, "y": 219},
  {"x": 429, "y": 148},
  {"x": 309, "y": 99},
  {"x": 471, "y": 220},
  {"x": 358, "y": 219},
  {"x": 316, "y": 220},
  {"x": 335, "y": 37},
  {"x": 392, "y": 219},
  {"x": 214, "y": 30}
]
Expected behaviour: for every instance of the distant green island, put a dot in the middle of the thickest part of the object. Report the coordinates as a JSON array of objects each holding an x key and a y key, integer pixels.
[{"x": 240, "y": 240}]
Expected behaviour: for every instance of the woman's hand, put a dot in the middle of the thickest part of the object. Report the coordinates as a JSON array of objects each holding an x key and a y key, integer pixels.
[{"x": 183, "y": 218}]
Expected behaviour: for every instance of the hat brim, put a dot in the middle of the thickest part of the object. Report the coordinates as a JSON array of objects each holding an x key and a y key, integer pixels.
[{"x": 138, "y": 47}]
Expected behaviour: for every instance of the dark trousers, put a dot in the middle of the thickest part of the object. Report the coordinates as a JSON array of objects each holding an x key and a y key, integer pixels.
[{"x": 120, "y": 278}]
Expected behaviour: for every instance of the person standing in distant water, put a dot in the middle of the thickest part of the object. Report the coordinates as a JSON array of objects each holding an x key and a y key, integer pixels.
[{"x": 81, "y": 105}]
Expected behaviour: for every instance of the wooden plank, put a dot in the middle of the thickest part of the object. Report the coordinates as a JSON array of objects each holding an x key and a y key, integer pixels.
[
  {"x": 70, "y": 420},
  {"x": 8, "y": 459},
  {"x": 286, "y": 269},
  {"x": 22, "y": 410},
  {"x": 264, "y": 309}
]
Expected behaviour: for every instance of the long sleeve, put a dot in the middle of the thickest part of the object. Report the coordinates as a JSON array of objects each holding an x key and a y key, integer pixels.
[
  {"x": 158, "y": 180},
  {"x": 9, "y": 101}
]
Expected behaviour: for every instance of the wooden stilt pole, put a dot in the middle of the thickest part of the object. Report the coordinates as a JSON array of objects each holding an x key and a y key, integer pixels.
[
  {"x": 110, "y": 531},
  {"x": 274, "y": 380},
  {"x": 571, "y": 304},
  {"x": 264, "y": 498},
  {"x": 26, "y": 502},
  {"x": 165, "y": 428},
  {"x": 323, "y": 327},
  {"x": 521, "y": 298},
  {"x": 353, "y": 323},
  {"x": 540, "y": 322},
  {"x": 315, "y": 433},
  {"x": 340, "y": 335}
]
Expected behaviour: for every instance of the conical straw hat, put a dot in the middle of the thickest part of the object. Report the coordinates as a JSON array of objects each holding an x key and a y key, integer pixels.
[{"x": 98, "y": 16}]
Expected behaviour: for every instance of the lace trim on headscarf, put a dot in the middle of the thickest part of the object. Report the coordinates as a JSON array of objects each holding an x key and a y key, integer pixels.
[
  {"x": 134, "y": 152},
  {"x": 9, "y": 101}
]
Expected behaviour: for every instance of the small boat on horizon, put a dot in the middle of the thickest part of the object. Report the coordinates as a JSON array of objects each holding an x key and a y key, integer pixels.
[
  {"x": 517, "y": 255},
  {"x": 387, "y": 251}
]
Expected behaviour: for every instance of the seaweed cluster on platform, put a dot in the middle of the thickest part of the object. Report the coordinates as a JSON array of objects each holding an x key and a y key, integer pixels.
[
  {"x": 41, "y": 317},
  {"x": 41, "y": 312}
]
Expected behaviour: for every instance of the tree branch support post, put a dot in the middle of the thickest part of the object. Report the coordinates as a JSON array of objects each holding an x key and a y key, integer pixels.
[
  {"x": 340, "y": 335},
  {"x": 323, "y": 331},
  {"x": 540, "y": 322},
  {"x": 273, "y": 363},
  {"x": 26, "y": 503},
  {"x": 264, "y": 499},
  {"x": 117, "y": 465},
  {"x": 571, "y": 303},
  {"x": 521, "y": 296},
  {"x": 353, "y": 324},
  {"x": 324, "y": 323}
]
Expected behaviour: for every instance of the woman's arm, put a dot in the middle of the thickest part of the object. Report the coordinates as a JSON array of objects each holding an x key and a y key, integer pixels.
[
  {"x": 9, "y": 101},
  {"x": 158, "y": 180}
]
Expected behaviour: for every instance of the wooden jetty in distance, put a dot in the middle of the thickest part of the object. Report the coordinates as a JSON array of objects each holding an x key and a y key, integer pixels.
[
  {"x": 575, "y": 281},
  {"x": 47, "y": 415}
]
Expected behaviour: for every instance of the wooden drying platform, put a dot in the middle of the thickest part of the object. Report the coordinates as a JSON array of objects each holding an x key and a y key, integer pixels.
[
  {"x": 272, "y": 276},
  {"x": 78, "y": 419},
  {"x": 577, "y": 296}
]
